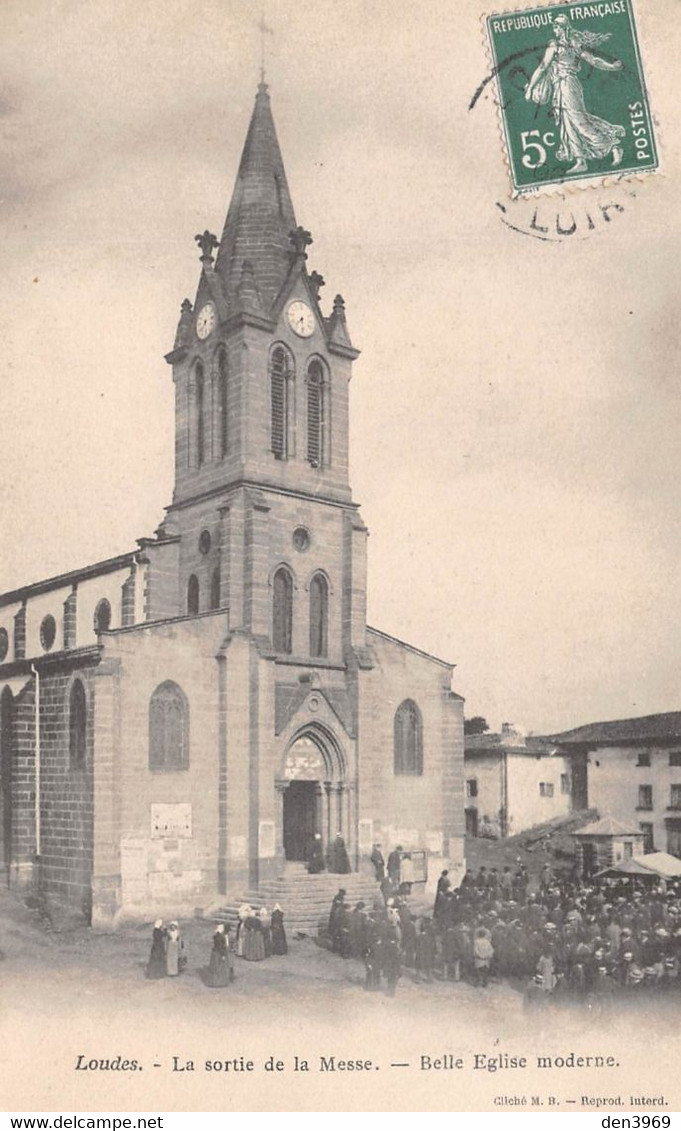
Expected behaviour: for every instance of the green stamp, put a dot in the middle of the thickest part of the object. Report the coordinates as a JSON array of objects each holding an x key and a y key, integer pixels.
[{"x": 572, "y": 93}]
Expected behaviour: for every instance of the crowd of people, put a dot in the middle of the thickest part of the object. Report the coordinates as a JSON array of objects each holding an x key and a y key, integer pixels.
[
  {"x": 552, "y": 937},
  {"x": 259, "y": 935}
]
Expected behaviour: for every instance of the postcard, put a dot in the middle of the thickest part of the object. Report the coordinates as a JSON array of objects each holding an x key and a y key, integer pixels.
[{"x": 340, "y": 740}]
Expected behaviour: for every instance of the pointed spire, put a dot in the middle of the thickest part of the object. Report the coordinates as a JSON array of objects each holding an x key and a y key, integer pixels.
[
  {"x": 337, "y": 324},
  {"x": 184, "y": 325},
  {"x": 260, "y": 214}
]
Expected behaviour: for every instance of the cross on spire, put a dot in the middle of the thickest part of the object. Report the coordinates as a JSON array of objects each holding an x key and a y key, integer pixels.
[{"x": 264, "y": 30}]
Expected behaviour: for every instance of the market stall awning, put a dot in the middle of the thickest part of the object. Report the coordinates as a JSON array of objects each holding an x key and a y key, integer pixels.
[{"x": 653, "y": 864}]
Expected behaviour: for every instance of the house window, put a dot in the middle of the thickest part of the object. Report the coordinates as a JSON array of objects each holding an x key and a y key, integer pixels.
[
  {"x": 319, "y": 612},
  {"x": 215, "y": 589},
  {"x": 628, "y": 849},
  {"x": 646, "y": 828},
  {"x": 408, "y": 739},
  {"x": 643, "y": 758},
  {"x": 282, "y": 612},
  {"x": 315, "y": 414},
  {"x": 168, "y": 728},
  {"x": 193, "y": 596},
  {"x": 103, "y": 616},
  {"x": 546, "y": 789},
  {"x": 564, "y": 783},
  {"x": 77, "y": 725},
  {"x": 675, "y": 797},
  {"x": 200, "y": 423},
  {"x": 223, "y": 420},
  {"x": 280, "y": 372},
  {"x": 675, "y": 757},
  {"x": 472, "y": 787},
  {"x": 645, "y": 797}
]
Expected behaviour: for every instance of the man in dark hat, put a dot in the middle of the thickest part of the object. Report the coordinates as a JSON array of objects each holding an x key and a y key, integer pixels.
[
  {"x": 334, "y": 919},
  {"x": 378, "y": 863}
]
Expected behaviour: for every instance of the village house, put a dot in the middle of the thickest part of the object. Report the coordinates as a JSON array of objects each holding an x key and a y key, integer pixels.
[
  {"x": 630, "y": 769},
  {"x": 513, "y": 782}
]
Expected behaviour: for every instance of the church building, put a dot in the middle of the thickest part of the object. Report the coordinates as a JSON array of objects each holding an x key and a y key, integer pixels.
[{"x": 178, "y": 722}]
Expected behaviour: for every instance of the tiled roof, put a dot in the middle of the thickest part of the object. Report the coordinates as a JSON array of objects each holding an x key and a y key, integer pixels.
[
  {"x": 608, "y": 826},
  {"x": 646, "y": 728},
  {"x": 532, "y": 745}
]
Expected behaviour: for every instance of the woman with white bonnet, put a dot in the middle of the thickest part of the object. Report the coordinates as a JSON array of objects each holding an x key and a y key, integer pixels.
[{"x": 156, "y": 966}]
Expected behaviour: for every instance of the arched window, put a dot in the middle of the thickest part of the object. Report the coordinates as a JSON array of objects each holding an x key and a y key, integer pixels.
[
  {"x": 315, "y": 414},
  {"x": 280, "y": 373},
  {"x": 408, "y": 739},
  {"x": 193, "y": 596},
  {"x": 282, "y": 613},
  {"x": 200, "y": 423},
  {"x": 77, "y": 725},
  {"x": 319, "y": 615},
  {"x": 215, "y": 589},
  {"x": 103, "y": 616},
  {"x": 168, "y": 728},
  {"x": 222, "y": 404}
]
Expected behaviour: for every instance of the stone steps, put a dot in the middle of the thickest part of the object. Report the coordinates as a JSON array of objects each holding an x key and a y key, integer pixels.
[{"x": 304, "y": 899}]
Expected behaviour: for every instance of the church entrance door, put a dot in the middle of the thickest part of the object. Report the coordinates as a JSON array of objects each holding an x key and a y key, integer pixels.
[{"x": 300, "y": 819}]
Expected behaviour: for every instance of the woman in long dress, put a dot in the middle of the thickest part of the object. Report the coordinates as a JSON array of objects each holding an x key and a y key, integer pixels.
[
  {"x": 279, "y": 943},
  {"x": 174, "y": 951},
  {"x": 220, "y": 967},
  {"x": 156, "y": 966},
  {"x": 583, "y": 136},
  {"x": 266, "y": 922},
  {"x": 245, "y": 911},
  {"x": 254, "y": 942}
]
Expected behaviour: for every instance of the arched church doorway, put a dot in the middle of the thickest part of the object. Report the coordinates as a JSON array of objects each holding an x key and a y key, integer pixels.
[
  {"x": 6, "y": 752},
  {"x": 312, "y": 770},
  {"x": 300, "y": 819}
]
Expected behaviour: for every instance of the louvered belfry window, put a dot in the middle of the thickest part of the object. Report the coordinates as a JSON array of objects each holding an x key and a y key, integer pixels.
[
  {"x": 222, "y": 402},
  {"x": 279, "y": 375},
  {"x": 200, "y": 424},
  {"x": 315, "y": 413}
]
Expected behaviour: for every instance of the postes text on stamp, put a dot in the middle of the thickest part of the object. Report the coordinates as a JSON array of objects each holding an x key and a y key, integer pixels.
[{"x": 572, "y": 94}]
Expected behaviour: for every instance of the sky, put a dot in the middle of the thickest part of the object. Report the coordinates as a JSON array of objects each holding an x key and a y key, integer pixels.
[{"x": 515, "y": 412}]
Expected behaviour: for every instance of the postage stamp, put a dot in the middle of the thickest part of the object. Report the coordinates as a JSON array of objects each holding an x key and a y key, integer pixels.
[{"x": 572, "y": 94}]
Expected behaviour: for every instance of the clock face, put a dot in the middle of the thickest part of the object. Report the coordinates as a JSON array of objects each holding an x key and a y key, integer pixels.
[
  {"x": 300, "y": 319},
  {"x": 205, "y": 320}
]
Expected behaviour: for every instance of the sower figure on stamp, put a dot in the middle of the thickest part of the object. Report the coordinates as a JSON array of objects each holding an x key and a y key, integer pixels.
[{"x": 583, "y": 136}]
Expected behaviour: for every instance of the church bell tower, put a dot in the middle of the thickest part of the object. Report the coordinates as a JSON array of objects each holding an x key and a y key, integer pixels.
[{"x": 262, "y": 502}]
